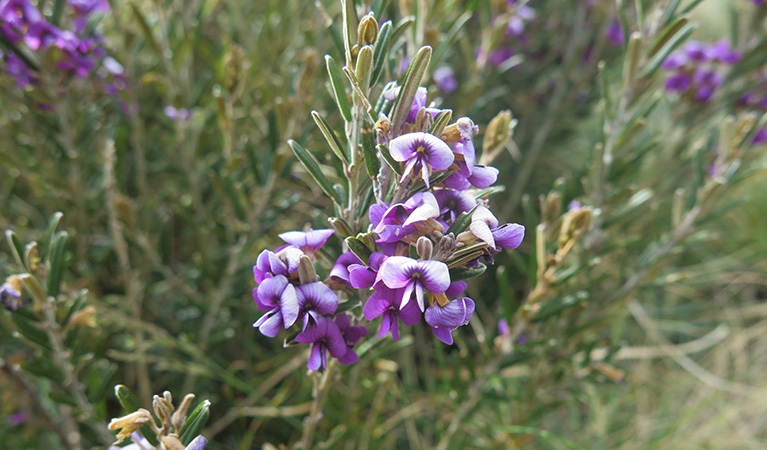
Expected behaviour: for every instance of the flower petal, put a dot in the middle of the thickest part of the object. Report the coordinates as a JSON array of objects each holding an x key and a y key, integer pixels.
[
  {"x": 434, "y": 276},
  {"x": 269, "y": 324},
  {"x": 318, "y": 297},
  {"x": 289, "y": 307},
  {"x": 483, "y": 176},
  {"x": 443, "y": 334},
  {"x": 350, "y": 357},
  {"x": 509, "y": 235},
  {"x": 395, "y": 271},
  {"x": 453, "y": 315},
  {"x": 316, "y": 357},
  {"x": 269, "y": 292}
]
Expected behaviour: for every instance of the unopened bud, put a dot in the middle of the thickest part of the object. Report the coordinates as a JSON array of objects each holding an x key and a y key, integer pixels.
[
  {"x": 462, "y": 130},
  {"x": 341, "y": 227},
  {"x": 574, "y": 224},
  {"x": 424, "y": 247},
  {"x": 234, "y": 69},
  {"x": 498, "y": 133},
  {"x": 551, "y": 207},
  {"x": 129, "y": 424},
  {"x": 306, "y": 272},
  {"x": 367, "y": 31},
  {"x": 86, "y": 317},
  {"x": 172, "y": 442},
  {"x": 179, "y": 417}
]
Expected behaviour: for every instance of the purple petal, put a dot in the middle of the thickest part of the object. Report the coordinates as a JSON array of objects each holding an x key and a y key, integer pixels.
[
  {"x": 481, "y": 230},
  {"x": 389, "y": 323},
  {"x": 436, "y": 151},
  {"x": 457, "y": 181},
  {"x": 407, "y": 294},
  {"x": 428, "y": 209},
  {"x": 395, "y": 271},
  {"x": 269, "y": 292},
  {"x": 466, "y": 148},
  {"x": 309, "y": 241},
  {"x": 509, "y": 235},
  {"x": 269, "y": 324},
  {"x": 410, "y": 314},
  {"x": 340, "y": 270},
  {"x": 443, "y": 334},
  {"x": 434, "y": 276},
  {"x": 316, "y": 357},
  {"x": 361, "y": 277},
  {"x": 453, "y": 315},
  {"x": 379, "y": 302},
  {"x": 456, "y": 288},
  {"x": 350, "y": 357},
  {"x": 451, "y": 200},
  {"x": 289, "y": 306},
  {"x": 680, "y": 82},
  {"x": 318, "y": 297},
  {"x": 197, "y": 443},
  {"x": 483, "y": 176}
]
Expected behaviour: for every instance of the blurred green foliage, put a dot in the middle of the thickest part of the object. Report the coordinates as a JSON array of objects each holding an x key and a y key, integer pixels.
[{"x": 162, "y": 220}]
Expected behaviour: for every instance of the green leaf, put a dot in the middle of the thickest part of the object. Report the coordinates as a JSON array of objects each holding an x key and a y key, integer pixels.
[
  {"x": 372, "y": 162},
  {"x": 147, "y": 30},
  {"x": 29, "y": 329},
  {"x": 380, "y": 50},
  {"x": 313, "y": 167},
  {"x": 49, "y": 233},
  {"x": 461, "y": 223},
  {"x": 17, "y": 249},
  {"x": 195, "y": 422},
  {"x": 447, "y": 41},
  {"x": 441, "y": 121},
  {"x": 667, "y": 34},
  {"x": 672, "y": 43},
  {"x": 413, "y": 77},
  {"x": 330, "y": 137},
  {"x": 339, "y": 91},
  {"x": 42, "y": 366},
  {"x": 57, "y": 263},
  {"x": 359, "y": 248},
  {"x": 555, "y": 307},
  {"x": 395, "y": 166},
  {"x": 460, "y": 273}
]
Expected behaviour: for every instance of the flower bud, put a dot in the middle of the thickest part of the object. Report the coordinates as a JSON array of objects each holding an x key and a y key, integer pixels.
[
  {"x": 424, "y": 247},
  {"x": 497, "y": 134},
  {"x": 306, "y": 272},
  {"x": 367, "y": 31},
  {"x": 341, "y": 227}
]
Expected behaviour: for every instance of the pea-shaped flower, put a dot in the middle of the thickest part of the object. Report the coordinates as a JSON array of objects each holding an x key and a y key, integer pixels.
[{"x": 421, "y": 153}]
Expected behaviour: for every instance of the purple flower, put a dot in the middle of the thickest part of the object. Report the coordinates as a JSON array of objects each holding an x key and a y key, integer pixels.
[
  {"x": 269, "y": 264},
  {"x": 499, "y": 56},
  {"x": 324, "y": 336},
  {"x": 453, "y": 202},
  {"x": 18, "y": 418},
  {"x": 399, "y": 219},
  {"x": 385, "y": 302},
  {"x": 277, "y": 296},
  {"x": 722, "y": 52},
  {"x": 679, "y": 82},
  {"x": 421, "y": 152},
  {"x": 363, "y": 277},
  {"x": 503, "y": 327},
  {"x": 614, "y": 33},
  {"x": 10, "y": 294},
  {"x": 308, "y": 241},
  {"x": 86, "y": 7},
  {"x": 340, "y": 271},
  {"x": 351, "y": 335},
  {"x": 177, "y": 114},
  {"x": 760, "y": 137},
  {"x": 416, "y": 277},
  {"x": 197, "y": 443},
  {"x": 419, "y": 101},
  {"x": 443, "y": 320},
  {"x": 445, "y": 79},
  {"x": 315, "y": 299},
  {"x": 485, "y": 227}
]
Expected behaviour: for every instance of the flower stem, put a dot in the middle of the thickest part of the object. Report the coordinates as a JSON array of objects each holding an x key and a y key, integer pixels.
[{"x": 320, "y": 395}]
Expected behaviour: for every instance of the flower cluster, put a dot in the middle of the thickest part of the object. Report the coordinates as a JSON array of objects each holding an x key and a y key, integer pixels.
[
  {"x": 514, "y": 21},
  {"x": 756, "y": 99},
  {"x": 429, "y": 228},
  {"x": 76, "y": 52},
  {"x": 697, "y": 69}
]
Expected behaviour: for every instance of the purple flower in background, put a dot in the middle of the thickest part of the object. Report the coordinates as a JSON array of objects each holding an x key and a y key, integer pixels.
[
  {"x": 324, "y": 336},
  {"x": 445, "y": 79},
  {"x": 386, "y": 302},
  {"x": 86, "y": 7},
  {"x": 499, "y": 56},
  {"x": 177, "y": 114},
  {"x": 485, "y": 227},
  {"x": 614, "y": 33},
  {"x": 315, "y": 299},
  {"x": 697, "y": 69},
  {"x": 443, "y": 320},
  {"x": 277, "y": 296},
  {"x": 520, "y": 17},
  {"x": 308, "y": 241},
  {"x": 10, "y": 294},
  {"x": 760, "y": 137},
  {"x": 414, "y": 277},
  {"x": 351, "y": 335},
  {"x": 503, "y": 327},
  {"x": 18, "y": 418},
  {"x": 421, "y": 152}
]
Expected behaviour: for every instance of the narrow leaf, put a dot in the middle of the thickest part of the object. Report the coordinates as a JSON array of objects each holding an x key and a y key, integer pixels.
[
  {"x": 380, "y": 51},
  {"x": 195, "y": 422},
  {"x": 313, "y": 167},
  {"x": 57, "y": 263},
  {"x": 333, "y": 142},
  {"x": 673, "y": 42},
  {"x": 131, "y": 404},
  {"x": 413, "y": 77},
  {"x": 339, "y": 92},
  {"x": 372, "y": 162}
]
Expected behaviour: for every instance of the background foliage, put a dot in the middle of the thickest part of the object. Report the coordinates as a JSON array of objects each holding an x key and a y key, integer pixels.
[{"x": 649, "y": 333}]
